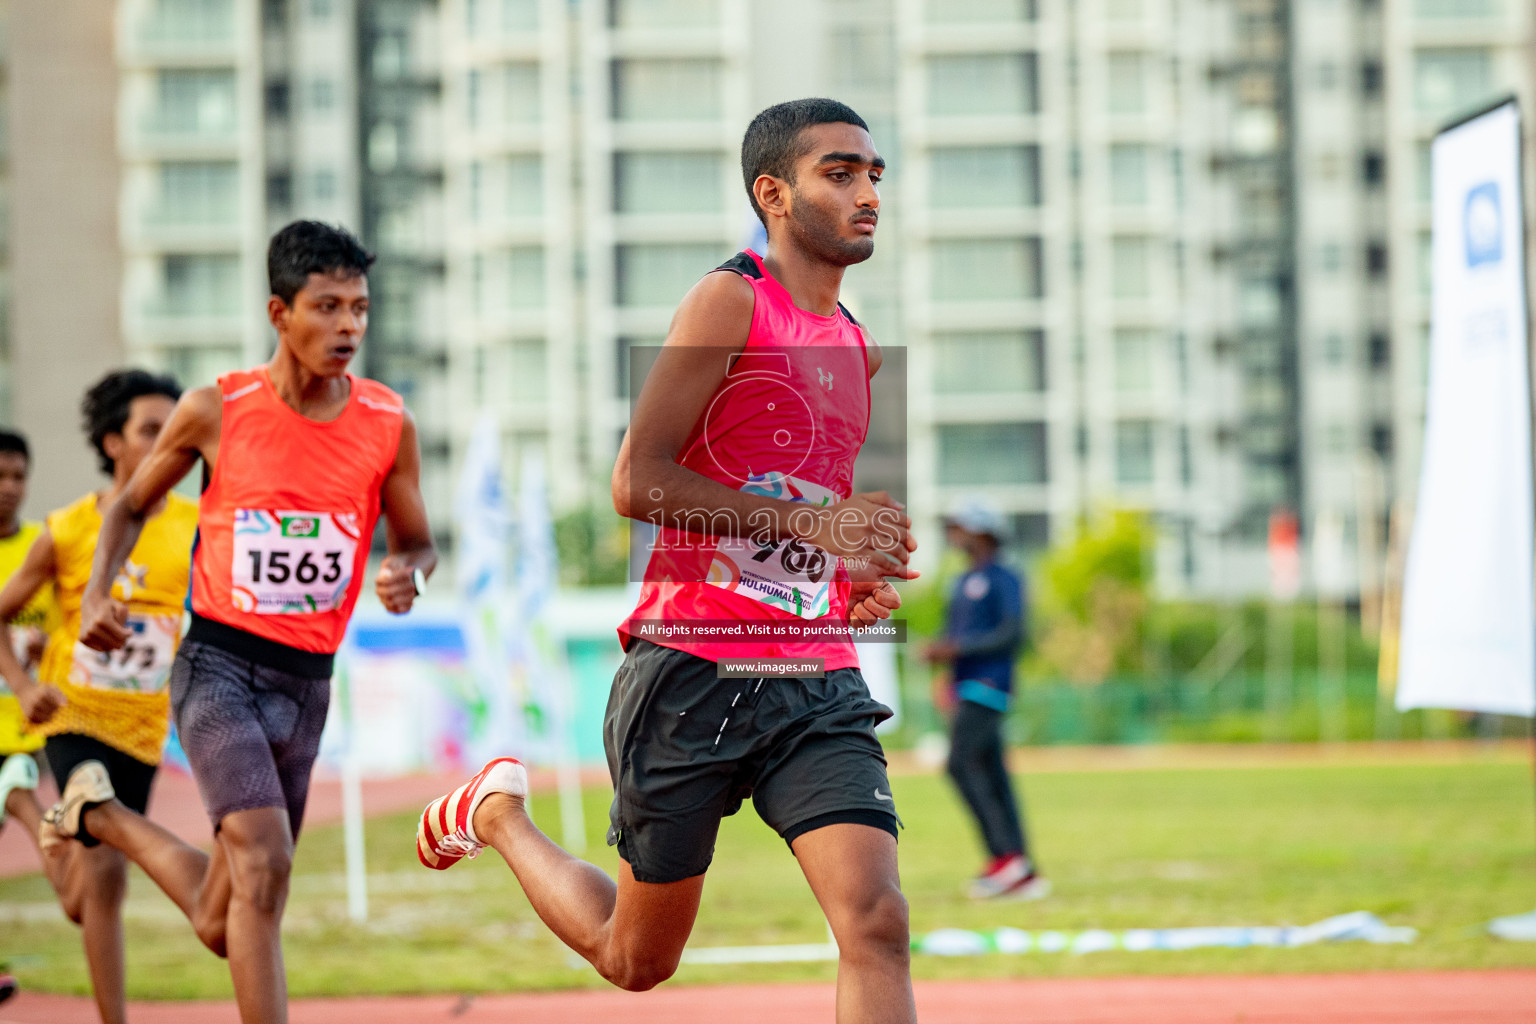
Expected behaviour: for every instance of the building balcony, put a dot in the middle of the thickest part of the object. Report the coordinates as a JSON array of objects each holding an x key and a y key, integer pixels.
[{"x": 178, "y": 33}]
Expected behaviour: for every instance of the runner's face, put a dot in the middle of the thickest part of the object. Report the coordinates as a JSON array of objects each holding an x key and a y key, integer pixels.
[
  {"x": 325, "y": 325},
  {"x": 146, "y": 416},
  {"x": 13, "y": 485},
  {"x": 835, "y": 198}
]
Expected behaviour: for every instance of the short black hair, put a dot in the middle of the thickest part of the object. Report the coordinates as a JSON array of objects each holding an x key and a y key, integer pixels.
[
  {"x": 772, "y": 142},
  {"x": 12, "y": 443},
  {"x": 309, "y": 247},
  {"x": 106, "y": 405}
]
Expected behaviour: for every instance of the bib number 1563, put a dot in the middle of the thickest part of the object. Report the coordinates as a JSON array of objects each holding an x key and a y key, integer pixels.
[
  {"x": 290, "y": 562},
  {"x": 279, "y": 567}
]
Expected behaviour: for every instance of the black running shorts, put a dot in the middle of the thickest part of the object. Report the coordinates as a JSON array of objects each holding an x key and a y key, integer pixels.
[
  {"x": 131, "y": 778},
  {"x": 685, "y": 748},
  {"x": 251, "y": 732}
]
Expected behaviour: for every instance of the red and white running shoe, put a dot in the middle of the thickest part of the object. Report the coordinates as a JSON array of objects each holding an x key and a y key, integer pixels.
[
  {"x": 446, "y": 833},
  {"x": 1001, "y": 875}
]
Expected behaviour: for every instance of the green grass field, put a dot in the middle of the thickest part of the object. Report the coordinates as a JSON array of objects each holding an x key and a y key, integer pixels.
[{"x": 1439, "y": 847}]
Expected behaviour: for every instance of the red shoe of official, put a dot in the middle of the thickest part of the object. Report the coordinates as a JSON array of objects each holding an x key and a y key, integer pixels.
[{"x": 1001, "y": 875}]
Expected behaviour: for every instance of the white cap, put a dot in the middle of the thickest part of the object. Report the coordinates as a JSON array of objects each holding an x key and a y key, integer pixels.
[{"x": 975, "y": 515}]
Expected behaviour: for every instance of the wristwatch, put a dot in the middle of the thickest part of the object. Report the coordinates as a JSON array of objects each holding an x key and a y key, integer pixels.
[{"x": 419, "y": 581}]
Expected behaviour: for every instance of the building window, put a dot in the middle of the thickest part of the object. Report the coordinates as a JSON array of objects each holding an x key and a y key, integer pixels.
[
  {"x": 865, "y": 53},
  {"x": 978, "y": 454},
  {"x": 989, "y": 362},
  {"x": 1134, "y": 452},
  {"x": 668, "y": 182},
  {"x": 1380, "y": 344},
  {"x": 195, "y": 102},
  {"x": 1455, "y": 8},
  {"x": 322, "y": 94},
  {"x": 383, "y": 147},
  {"x": 1373, "y": 170},
  {"x": 1135, "y": 351},
  {"x": 508, "y": 280},
  {"x": 663, "y": 13},
  {"x": 1376, "y": 259},
  {"x": 984, "y": 85},
  {"x": 659, "y": 274},
  {"x": 1381, "y": 440},
  {"x": 666, "y": 90},
  {"x": 1372, "y": 79},
  {"x": 280, "y": 190},
  {"x": 1126, "y": 83},
  {"x": 987, "y": 269},
  {"x": 633, "y": 359},
  {"x": 1131, "y": 268},
  {"x": 200, "y": 286},
  {"x": 1446, "y": 81},
  {"x": 985, "y": 176},
  {"x": 323, "y": 186},
  {"x": 1186, "y": 457},
  {"x": 1128, "y": 166},
  {"x": 1330, "y": 257},
  {"x": 528, "y": 370},
  {"x": 519, "y": 15},
  {"x": 995, "y": 12},
  {"x": 1333, "y": 348},
  {"x": 321, "y": 8},
  {"x": 199, "y": 193},
  {"x": 524, "y": 185},
  {"x": 277, "y": 99},
  {"x": 476, "y": 189},
  {"x": 474, "y": 86},
  {"x": 520, "y": 93}
]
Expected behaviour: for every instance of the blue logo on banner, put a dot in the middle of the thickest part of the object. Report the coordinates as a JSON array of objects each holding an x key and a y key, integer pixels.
[{"x": 1483, "y": 223}]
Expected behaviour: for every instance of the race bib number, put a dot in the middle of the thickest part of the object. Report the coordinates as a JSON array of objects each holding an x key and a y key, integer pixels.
[
  {"x": 142, "y": 665},
  {"x": 789, "y": 575},
  {"x": 292, "y": 563}
]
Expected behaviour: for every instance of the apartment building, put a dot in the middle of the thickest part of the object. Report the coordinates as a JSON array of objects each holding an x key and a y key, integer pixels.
[{"x": 1167, "y": 254}]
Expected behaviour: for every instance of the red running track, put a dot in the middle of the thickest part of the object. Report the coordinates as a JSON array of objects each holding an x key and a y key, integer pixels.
[{"x": 1453, "y": 997}]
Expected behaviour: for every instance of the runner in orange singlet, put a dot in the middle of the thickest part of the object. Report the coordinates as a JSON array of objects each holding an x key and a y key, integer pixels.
[{"x": 300, "y": 459}]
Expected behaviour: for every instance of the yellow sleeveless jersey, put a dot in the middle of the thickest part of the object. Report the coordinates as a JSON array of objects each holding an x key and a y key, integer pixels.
[
  {"x": 40, "y": 613},
  {"x": 121, "y": 697}
]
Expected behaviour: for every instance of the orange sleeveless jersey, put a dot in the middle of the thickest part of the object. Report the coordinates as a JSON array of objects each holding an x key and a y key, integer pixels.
[{"x": 286, "y": 520}]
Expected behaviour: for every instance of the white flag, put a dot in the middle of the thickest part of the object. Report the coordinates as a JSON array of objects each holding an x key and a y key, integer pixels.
[{"x": 1469, "y": 597}]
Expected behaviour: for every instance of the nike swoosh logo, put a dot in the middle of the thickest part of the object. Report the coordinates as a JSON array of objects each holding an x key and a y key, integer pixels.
[{"x": 881, "y": 796}]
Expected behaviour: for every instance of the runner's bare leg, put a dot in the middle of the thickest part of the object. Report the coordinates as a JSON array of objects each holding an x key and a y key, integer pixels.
[
  {"x": 852, "y": 871},
  {"x": 197, "y": 883},
  {"x": 632, "y": 932}
]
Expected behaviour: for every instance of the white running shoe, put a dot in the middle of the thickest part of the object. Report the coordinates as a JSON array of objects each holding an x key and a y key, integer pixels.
[
  {"x": 445, "y": 834},
  {"x": 88, "y": 785},
  {"x": 18, "y": 772}
]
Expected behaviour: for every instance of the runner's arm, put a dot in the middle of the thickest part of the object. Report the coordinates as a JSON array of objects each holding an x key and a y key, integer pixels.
[
  {"x": 406, "y": 530},
  {"x": 711, "y": 324},
  {"x": 39, "y": 702},
  {"x": 191, "y": 433}
]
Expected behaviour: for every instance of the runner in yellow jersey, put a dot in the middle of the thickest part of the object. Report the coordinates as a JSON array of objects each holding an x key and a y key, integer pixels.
[
  {"x": 18, "y": 741},
  {"x": 106, "y": 715}
]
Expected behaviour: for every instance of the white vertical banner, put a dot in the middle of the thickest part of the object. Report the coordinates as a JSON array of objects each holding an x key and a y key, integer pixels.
[{"x": 1469, "y": 590}]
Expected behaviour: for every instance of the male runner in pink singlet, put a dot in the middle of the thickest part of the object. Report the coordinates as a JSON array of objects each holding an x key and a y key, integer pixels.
[{"x": 741, "y": 450}]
